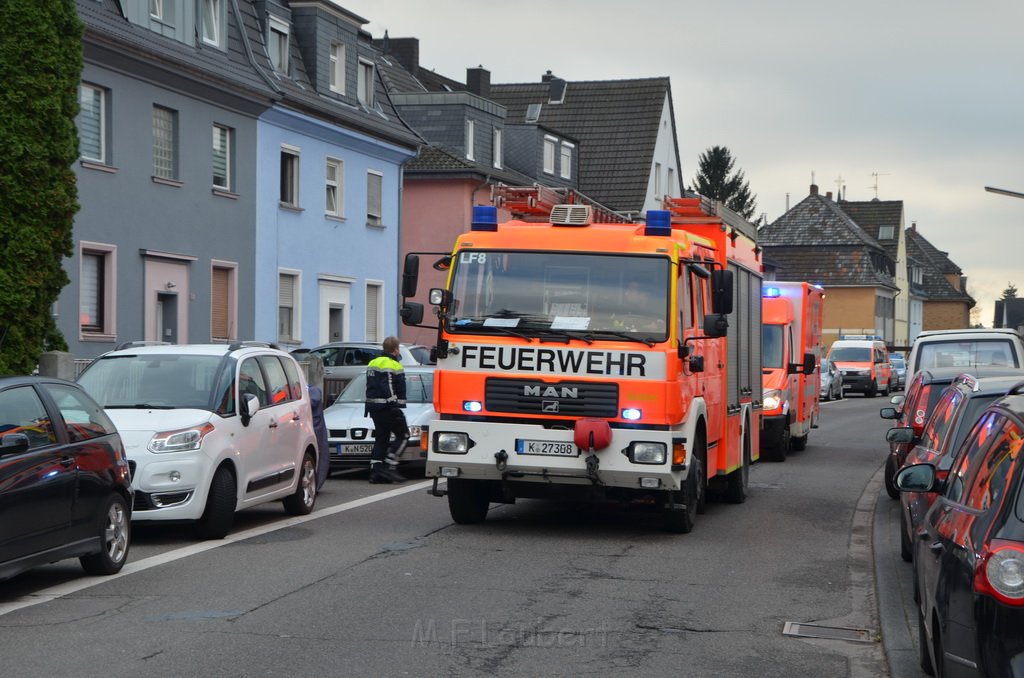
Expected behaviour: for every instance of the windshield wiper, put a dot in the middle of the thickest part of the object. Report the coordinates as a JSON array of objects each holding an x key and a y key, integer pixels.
[
  {"x": 140, "y": 406},
  {"x": 478, "y": 324},
  {"x": 625, "y": 335},
  {"x": 569, "y": 334}
]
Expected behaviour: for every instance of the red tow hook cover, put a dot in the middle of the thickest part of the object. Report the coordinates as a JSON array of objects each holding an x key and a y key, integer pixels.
[{"x": 592, "y": 434}]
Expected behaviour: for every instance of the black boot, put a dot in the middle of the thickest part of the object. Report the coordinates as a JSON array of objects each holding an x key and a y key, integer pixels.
[
  {"x": 392, "y": 473},
  {"x": 379, "y": 474}
]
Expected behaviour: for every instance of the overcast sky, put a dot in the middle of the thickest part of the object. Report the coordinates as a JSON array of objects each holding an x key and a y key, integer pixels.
[{"x": 928, "y": 95}]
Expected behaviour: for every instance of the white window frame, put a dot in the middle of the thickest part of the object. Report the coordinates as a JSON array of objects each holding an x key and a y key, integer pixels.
[
  {"x": 101, "y": 94},
  {"x": 295, "y": 335},
  {"x": 374, "y": 217},
  {"x": 566, "y": 159},
  {"x": 470, "y": 138},
  {"x": 890, "y": 232},
  {"x": 657, "y": 180},
  {"x": 215, "y": 10},
  {"x": 497, "y": 150},
  {"x": 365, "y": 87},
  {"x": 278, "y": 37},
  {"x": 375, "y": 333},
  {"x": 337, "y": 67},
  {"x": 670, "y": 181},
  {"x": 335, "y": 185},
  {"x": 295, "y": 154},
  {"x": 232, "y": 268},
  {"x": 107, "y": 330},
  {"x": 156, "y": 9},
  {"x": 549, "y": 154},
  {"x": 228, "y": 178},
  {"x": 171, "y": 148}
]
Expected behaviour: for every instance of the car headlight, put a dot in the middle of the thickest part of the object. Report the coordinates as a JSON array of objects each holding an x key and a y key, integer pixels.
[
  {"x": 772, "y": 399},
  {"x": 451, "y": 443},
  {"x": 415, "y": 431},
  {"x": 185, "y": 440},
  {"x": 640, "y": 452}
]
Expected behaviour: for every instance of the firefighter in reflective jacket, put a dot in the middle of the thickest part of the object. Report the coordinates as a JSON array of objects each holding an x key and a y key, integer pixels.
[{"x": 385, "y": 398}]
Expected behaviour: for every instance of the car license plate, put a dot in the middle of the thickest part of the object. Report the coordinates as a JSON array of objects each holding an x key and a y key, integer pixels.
[
  {"x": 546, "y": 448},
  {"x": 354, "y": 450}
]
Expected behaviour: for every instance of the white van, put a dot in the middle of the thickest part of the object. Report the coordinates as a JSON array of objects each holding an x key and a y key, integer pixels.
[
  {"x": 965, "y": 348},
  {"x": 864, "y": 364}
]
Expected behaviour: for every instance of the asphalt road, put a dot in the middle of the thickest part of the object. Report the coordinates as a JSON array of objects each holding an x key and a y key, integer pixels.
[{"x": 379, "y": 581}]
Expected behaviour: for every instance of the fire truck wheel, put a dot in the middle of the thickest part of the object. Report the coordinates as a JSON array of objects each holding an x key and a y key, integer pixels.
[
  {"x": 736, "y": 482},
  {"x": 468, "y": 501},
  {"x": 799, "y": 443},
  {"x": 777, "y": 449},
  {"x": 681, "y": 520}
]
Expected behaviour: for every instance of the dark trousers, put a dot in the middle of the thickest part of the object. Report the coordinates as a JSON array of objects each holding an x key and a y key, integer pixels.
[{"x": 387, "y": 423}]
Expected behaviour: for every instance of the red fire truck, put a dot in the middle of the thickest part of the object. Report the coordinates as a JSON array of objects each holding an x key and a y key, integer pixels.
[{"x": 609, "y": 361}]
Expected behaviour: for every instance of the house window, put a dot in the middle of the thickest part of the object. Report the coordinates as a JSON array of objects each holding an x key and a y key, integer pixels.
[
  {"x": 374, "y": 197},
  {"x": 470, "y": 138},
  {"x": 287, "y": 307},
  {"x": 212, "y": 11},
  {"x": 657, "y": 179},
  {"x": 222, "y": 157},
  {"x": 96, "y": 288},
  {"x": 670, "y": 187},
  {"x": 277, "y": 44},
  {"x": 567, "y": 149},
  {"x": 496, "y": 150},
  {"x": 92, "y": 123},
  {"x": 886, "y": 232},
  {"x": 289, "y": 176},
  {"x": 164, "y": 143},
  {"x": 533, "y": 113},
  {"x": 373, "y": 312},
  {"x": 365, "y": 93},
  {"x": 222, "y": 302},
  {"x": 549, "y": 155},
  {"x": 337, "y": 68},
  {"x": 334, "y": 180}
]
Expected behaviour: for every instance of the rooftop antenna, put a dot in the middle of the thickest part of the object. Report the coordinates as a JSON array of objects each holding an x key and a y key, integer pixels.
[{"x": 876, "y": 175}]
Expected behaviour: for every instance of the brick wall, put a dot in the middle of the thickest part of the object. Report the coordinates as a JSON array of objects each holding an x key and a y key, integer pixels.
[{"x": 945, "y": 315}]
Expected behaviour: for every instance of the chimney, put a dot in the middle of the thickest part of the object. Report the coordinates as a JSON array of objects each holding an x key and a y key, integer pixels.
[
  {"x": 814, "y": 189},
  {"x": 547, "y": 77},
  {"x": 405, "y": 50},
  {"x": 913, "y": 226},
  {"x": 828, "y": 195},
  {"x": 478, "y": 81}
]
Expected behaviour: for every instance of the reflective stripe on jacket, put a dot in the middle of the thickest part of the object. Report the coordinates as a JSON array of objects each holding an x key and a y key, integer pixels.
[{"x": 385, "y": 384}]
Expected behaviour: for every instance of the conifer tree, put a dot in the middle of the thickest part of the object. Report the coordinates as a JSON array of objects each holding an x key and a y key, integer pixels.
[{"x": 716, "y": 179}]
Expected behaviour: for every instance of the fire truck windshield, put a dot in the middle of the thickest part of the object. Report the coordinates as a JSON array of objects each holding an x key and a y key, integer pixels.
[
  {"x": 771, "y": 346},
  {"x": 565, "y": 294}
]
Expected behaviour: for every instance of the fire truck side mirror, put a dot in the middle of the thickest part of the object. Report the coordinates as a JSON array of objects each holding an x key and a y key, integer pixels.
[
  {"x": 412, "y": 313},
  {"x": 410, "y": 275},
  {"x": 721, "y": 291},
  {"x": 715, "y": 325},
  {"x": 810, "y": 363}
]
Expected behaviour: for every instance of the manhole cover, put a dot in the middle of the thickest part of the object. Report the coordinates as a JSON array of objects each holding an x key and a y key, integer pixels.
[{"x": 827, "y": 632}]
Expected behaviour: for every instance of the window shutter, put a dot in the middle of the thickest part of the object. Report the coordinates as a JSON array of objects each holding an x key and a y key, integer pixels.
[
  {"x": 219, "y": 303},
  {"x": 286, "y": 291},
  {"x": 373, "y": 197},
  {"x": 372, "y": 312}
]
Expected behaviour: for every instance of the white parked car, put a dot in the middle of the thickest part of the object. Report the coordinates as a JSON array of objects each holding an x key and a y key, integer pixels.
[
  {"x": 209, "y": 429},
  {"x": 350, "y": 430}
]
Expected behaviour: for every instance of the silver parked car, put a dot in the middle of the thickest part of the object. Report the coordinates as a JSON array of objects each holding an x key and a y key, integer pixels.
[
  {"x": 899, "y": 371},
  {"x": 831, "y": 380},
  {"x": 345, "y": 360}
]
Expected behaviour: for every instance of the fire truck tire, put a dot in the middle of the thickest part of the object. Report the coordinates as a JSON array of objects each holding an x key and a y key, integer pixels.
[
  {"x": 702, "y": 477},
  {"x": 681, "y": 520},
  {"x": 468, "y": 501},
  {"x": 737, "y": 481},
  {"x": 799, "y": 443},
  {"x": 778, "y": 448}
]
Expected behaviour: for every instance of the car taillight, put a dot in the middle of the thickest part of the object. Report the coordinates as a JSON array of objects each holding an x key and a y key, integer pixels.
[{"x": 1000, "y": 572}]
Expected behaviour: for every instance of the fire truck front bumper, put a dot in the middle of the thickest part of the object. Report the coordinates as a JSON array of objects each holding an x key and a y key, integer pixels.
[{"x": 635, "y": 458}]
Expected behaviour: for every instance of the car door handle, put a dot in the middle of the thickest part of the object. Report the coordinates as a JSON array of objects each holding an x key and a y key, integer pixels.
[
  {"x": 273, "y": 424},
  {"x": 67, "y": 462},
  {"x": 935, "y": 547},
  {"x": 296, "y": 417}
]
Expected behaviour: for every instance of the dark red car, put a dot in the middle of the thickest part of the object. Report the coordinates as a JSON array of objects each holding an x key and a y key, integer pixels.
[{"x": 64, "y": 481}]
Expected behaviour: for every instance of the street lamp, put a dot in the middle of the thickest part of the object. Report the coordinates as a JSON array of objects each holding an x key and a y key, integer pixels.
[{"x": 1003, "y": 191}]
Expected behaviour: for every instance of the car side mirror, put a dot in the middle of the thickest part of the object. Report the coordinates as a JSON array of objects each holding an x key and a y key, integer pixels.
[
  {"x": 900, "y": 434},
  {"x": 13, "y": 443},
  {"x": 888, "y": 413},
  {"x": 917, "y": 478},
  {"x": 250, "y": 406},
  {"x": 897, "y": 399}
]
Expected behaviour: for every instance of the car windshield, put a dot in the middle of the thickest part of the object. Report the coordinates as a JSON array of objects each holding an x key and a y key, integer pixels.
[
  {"x": 851, "y": 354},
  {"x": 419, "y": 388},
  {"x": 771, "y": 342},
  {"x": 152, "y": 381},
  {"x": 965, "y": 354},
  {"x": 558, "y": 296},
  {"x": 896, "y": 361}
]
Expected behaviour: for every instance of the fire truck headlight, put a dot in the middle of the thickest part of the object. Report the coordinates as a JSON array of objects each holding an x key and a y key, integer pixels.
[
  {"x": 415, "y": 431},
  {"x": 772, "y": 399},
  {"x": 646, "y": 453},
  {"x": 451, "y": 443},
  {"x": 632, "y": 414},
  {"x": 472, "y": 405}
]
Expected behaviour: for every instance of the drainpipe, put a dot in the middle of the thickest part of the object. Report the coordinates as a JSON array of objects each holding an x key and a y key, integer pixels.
[{"x": 248, "y": 49}]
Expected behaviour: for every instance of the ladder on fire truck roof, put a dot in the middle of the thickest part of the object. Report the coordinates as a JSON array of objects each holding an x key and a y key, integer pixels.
[
  {"x": 534, "y": 203},
  {"x": 697, "y": 209}
]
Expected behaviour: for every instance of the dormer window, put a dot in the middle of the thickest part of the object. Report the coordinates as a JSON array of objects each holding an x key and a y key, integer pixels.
[
  {"x": 566, "y": 165},
  {"x": 162, "y": 11},
  {"x": 886, "y": 232},
  {"x": 337, "y": 59},
  {"x": 549, "y": 154},
  {"x": 470, "y": 138},
  {"x": 365, "y": 93},
  {"x": 212, "y": 13},
  {"x": 277, "y": 43}
]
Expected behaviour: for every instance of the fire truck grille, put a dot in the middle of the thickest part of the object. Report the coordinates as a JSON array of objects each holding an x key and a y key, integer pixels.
[{"x": 563, "y": 398}]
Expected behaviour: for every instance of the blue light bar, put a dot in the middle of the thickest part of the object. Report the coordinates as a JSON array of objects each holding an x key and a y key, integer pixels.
[
  {"x": 771, "y": 292},
  {"x": 659, "y": 222},
  {"x": 485, "y": 218}
]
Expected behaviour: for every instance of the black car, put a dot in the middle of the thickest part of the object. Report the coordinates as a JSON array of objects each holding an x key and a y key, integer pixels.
[
  {"x": 969, "y": 557},
  {"x": 65, "y": 487}
]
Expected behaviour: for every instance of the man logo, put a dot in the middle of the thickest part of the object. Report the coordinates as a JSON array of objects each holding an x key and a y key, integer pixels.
[
  {"x": 549, "y": 406},
  {"x": 551, "y": 391}
]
